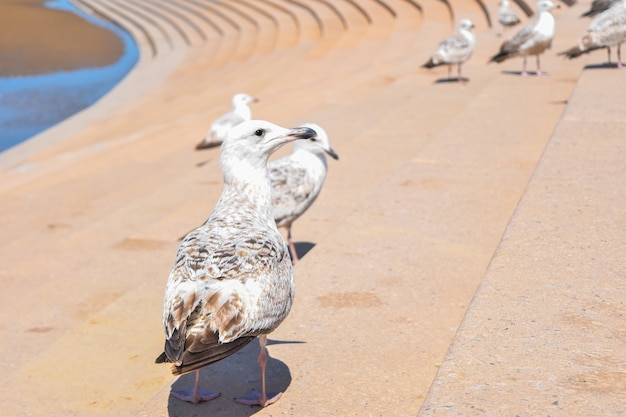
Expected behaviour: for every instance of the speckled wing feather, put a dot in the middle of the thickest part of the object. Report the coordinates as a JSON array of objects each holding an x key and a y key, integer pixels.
[
  {"x": 291, "y": 188},
  {"x": 209, "y": 288},
  {"x": 454, "y": 49},
  {"x": 513, "y": 45}
]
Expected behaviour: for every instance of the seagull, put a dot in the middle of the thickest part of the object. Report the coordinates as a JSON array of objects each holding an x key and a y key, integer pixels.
[
  {"x": 598, "y": 6},
  {"x": 506, "y": 15},
  {"x": 297, "y": 180},
  {"x": 532, "y": 39},
  {"x": 455, "y": 49},
  {"x": 232, "y": 279},
  {"x": 607, "y": 29},
  {"x": 219, "y": 128}
]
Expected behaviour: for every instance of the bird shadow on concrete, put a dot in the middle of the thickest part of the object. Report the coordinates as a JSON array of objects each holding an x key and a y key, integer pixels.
[
  {"x": 605, "y": 65},
  {"x": 530, "y": 73},
  {"x": 448, "y": 80},
  {"x": 234, "y": 377},
  {"x": 302, "y": 248}
]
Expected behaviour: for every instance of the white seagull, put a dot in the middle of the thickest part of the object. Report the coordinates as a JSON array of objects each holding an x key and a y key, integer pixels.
[
  {"x": 232, "y": 279},
  {"x": 532, "y": 39},
  {"x": 607, "y": 29},
  {"x": 297, "y": 180},
  {"x": 455, "y": 49},
  {"x": 219, "y": 128},
  {"x": 506, "y": 15}
]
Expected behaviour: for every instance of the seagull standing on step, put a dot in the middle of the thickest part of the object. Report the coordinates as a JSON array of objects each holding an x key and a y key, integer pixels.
[
  {"x": 532, "y": 39},
  {"x": 607, "y": 29},
  {"x": 297, "y": 180},
  {"x": 455, "y": 49},
  {"x": 232, "y": 279},
  {"x": 219, "y": 128},
  {"x": 506, "y": 16}
]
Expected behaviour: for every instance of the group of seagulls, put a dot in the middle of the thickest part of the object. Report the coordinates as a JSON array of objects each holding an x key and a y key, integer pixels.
[
  {"x": 607, "y": 29},
  {"x": 233, "y": 279}
]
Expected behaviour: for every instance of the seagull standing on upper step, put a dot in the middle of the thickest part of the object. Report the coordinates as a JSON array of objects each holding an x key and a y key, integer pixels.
[
  {"x": 232, "y": 279},
  {"x": 455, "y": 49},
  {"x": 532, "y": 39},
  {"x": 219, "y": 128},
  {"x": 506, "y": 16},
  {"x": 297, "y": 180},
  {"x": 607, "y": 29},
  {"x": 598, "y": 6}
]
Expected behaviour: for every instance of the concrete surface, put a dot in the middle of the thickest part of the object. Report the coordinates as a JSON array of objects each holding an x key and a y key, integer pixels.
[{"x": 410, "y": 222}]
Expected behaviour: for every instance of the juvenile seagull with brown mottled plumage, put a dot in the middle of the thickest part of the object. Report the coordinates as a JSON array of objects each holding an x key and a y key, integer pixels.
[
  {"x": 606, "y": 30},
  {"x": 297, "y": 180},
  {"x": 455, "y": 49},
  {"x": 232, "y": 279}
]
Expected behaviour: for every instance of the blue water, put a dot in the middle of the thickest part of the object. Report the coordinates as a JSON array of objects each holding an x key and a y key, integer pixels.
[{"x": 31, "y": 104}]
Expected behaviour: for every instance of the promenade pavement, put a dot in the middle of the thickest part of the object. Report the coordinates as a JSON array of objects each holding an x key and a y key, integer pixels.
[{"x": 464, "y": 256}]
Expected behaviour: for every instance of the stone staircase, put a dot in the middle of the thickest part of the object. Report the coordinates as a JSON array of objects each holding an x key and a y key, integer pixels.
[{"x": 434, "y": 194}]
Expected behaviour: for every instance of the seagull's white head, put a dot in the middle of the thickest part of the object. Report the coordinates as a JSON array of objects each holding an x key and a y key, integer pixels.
[
  {"x": 242, "y": 99},
  {"x": 546, "y": 6},
  {"x": 248, "y": 145},
  {"x": 318, "y": 144},
  {"x": 466, "y": 24}
]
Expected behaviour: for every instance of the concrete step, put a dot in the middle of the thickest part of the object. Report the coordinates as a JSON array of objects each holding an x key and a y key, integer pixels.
[
  {"x": 544, "y": 332},
  {"x": 404, "y": 229}
]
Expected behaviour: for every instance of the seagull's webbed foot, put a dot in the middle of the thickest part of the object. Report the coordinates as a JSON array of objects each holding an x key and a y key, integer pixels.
[
  {"x": 195, "y": 397},
  {"x": 254, "y": 397}
]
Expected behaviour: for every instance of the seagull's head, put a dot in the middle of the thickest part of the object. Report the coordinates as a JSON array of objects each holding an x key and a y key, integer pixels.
[
  {"x": 243, "y": 99},
  {"x": 252, "y": 142},
  {"x": 317, "y": 144},
  {"x": 546, "y": 6},
  {"x": 466, "y": 24}
]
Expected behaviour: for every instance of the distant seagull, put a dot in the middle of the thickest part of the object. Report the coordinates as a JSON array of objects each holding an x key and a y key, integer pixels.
[
  {"x": 598, "y": 6},
  {"x": 506, "y": 16},
  {"x": 455, "y": 49},
  {"x": 232, "y": 279},
  {"x": 532, "y": 39},
  {"x": 607, "y": 29},
  {"x": 219, "y": 128},
  {"x": 297, "y": 180}
]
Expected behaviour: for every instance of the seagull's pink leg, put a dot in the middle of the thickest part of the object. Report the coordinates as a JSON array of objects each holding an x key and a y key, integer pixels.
[
  {"x": 292, "y": 247},
  {"x": 539, "y": 73},
  {"x": 254, "y": 398},
  {"x": 619, "y": 57},
  {"x": 195, "y": 396},
  {"x": 524, "y": 73}
]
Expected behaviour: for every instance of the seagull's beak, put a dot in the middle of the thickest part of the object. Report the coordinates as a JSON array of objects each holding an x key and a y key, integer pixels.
[
  {"x": 332, "y": 154},
  {"x": 301, "y": 133}
]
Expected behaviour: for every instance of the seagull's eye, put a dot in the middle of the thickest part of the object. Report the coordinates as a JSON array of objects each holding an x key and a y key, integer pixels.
[{"x": 259, "y": 132}]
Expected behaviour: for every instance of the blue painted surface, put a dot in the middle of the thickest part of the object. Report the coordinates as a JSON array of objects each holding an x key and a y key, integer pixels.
[{"x": 31, "y": 104}]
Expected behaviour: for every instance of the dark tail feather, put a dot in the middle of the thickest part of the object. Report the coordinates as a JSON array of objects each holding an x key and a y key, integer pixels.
[
  {"x": 575, "y": 52},
  {"x": 499, "y": 57},
  {"x": 571, "y": 53},
  {"x": 429, "y": 64}
]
